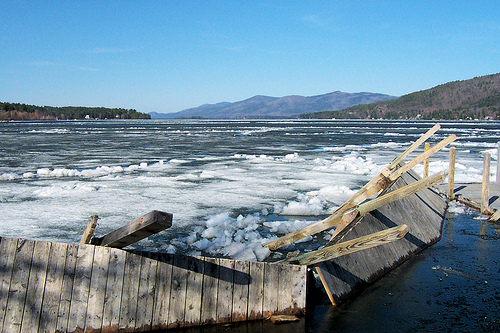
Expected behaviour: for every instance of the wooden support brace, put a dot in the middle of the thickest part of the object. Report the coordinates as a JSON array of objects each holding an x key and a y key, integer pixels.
[
  {"x": 396, "y": 174},
  {"x": 89, "y": 230},
  {"x": 495, "y": 217},
  {"x": 352, "y": 246},
  {"x": 145, "y": 226}
]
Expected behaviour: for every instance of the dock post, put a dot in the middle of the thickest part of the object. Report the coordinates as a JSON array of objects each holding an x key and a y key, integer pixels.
[
  {"x": 426, "y": 161},
  {"x": 451, "y": 174},
  {"x": 89, "y": 230},
  {"x": 498, "y": 163},
  {"x": 485, "y": 189}
]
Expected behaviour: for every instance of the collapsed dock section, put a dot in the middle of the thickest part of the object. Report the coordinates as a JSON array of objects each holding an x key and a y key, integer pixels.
[{"x": 59, "y": 287}]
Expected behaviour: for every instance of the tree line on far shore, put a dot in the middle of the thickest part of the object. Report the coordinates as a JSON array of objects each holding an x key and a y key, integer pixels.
[{"x": 18, "y": 111}]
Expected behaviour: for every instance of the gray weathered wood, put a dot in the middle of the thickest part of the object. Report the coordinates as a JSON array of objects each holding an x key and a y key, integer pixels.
[
  {"x": 18, "y": 286},
  {"x": 128, "y": 308},
  {"x": 162, "y": 292},
  {"x": 178, "y": 292},
  {"x": 210, "y": 286},
  {"x": 81, "y": 288},
  {"x": 271, "y": 290},
  {"x": 255, "y": 290},
  {"x": 240, "y": 290},
  {"x": 114, "y": 286},
  {"x": 138, "y": 229},
  {"x": 194, "y": 291},
  {"x": 89, "y": 230},
  {"x": 67, "y": 288},
  {"x": 450, "y": 193},
  {"x": 146, "y": 296},
  {"x": 225, "y": 291},
  {"x": 36, "y": 286},
  {"x": 8, "y": 247},
  {"x": 98, "y": 281}
]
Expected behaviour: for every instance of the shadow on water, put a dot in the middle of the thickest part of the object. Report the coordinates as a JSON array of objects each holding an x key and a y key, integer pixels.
[{"x": 454, "y": 286}]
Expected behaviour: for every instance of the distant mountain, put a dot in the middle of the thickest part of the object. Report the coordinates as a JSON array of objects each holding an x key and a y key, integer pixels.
[
  {"x": 477, "y": 98},
  {"x": 276, "y": 107}
]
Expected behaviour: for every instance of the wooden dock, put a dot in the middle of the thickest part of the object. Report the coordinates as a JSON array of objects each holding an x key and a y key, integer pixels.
[
  {"x": 472, "y": 193},
  {"x": 58, "y": 287}
]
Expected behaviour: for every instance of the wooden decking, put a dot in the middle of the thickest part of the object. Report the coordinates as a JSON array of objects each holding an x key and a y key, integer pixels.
[
  {"x": 472, "y": 192},
  {"x": 58, "y": 287},
  {"x": 422, "y": 212}
]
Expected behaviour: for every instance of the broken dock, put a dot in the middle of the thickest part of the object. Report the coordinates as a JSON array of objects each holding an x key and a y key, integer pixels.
[{"x": 57, "y": 287}]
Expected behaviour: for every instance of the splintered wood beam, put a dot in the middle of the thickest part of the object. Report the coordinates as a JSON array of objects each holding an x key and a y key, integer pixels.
[
  {"x": 401, "y": 193},
  {"x": 89, "y": 230},
  {"x": 414, "y": 146},
  {"x": 312, "y": 229},
  {"x": 145, "y": 226},
  {"x": 352, "y": 246},
  {"x": 420, "y": 158}
]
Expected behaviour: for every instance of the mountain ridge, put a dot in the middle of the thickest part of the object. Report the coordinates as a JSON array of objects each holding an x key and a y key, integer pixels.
[{"x": 261, "y": 106}]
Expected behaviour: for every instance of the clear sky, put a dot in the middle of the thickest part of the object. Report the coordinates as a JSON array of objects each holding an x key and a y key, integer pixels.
[{"x": 166, "y": 56}]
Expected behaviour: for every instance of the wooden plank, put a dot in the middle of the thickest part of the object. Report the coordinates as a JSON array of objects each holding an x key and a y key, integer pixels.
[
  {"x": 162, "y": 295},
  {"x": 89, "y": 230},
  {"x": 8, "y": 249},
  {"x": 271, "y": 290},
  {"x": 485, "y": 188},
  {"x": 450, "y": 193},
  {"x": 256, "y": 290},
  {"x": 401, "y": 193},
  {"x": 145, "y": 226},
  {"x": 351, "y": 246},
  {"x": 114, "y": 286},
  {"x": 128, "y": 308},
  {"x": 420, "y": 158},
  {"x": 414, "y": 146},
  {"x": 53, "y": 287},
  {"x": 178, "y": 292},
  {"x": 194, "y": 291},
  {"x": 67, "y": 288},
  {"x": 210, "y": 287},
  {"x": 426, "y": 161},
  {"x": 495, "y": 217},
  {"x": 18, "y": 286},
  {"x": 36, "y": 286},
  {"x": 298, "y": 289},
  {"x": 81, "y": 288},
  {"x": 98, "y": 281},
  {"x": 225, "y": 290},
  {"x": 240, "y": 290},
  {"x": 146, "y": 296}
]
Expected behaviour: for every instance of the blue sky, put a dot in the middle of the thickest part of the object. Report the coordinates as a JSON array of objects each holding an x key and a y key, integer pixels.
[{"x": 166, "y": 56}]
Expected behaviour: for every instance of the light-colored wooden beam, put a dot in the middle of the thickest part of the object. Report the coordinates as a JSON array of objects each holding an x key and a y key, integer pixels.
[
  {"x": 401, "y": 193},
  {"x": 451, "y": 174},
  {"x": 420, "y": 158},
  {"x": 426, "y": 161},
  {"x": 414, "y": 146},
  {"x": 352, "y": 246},
  {"x": 145, "y": 226},
  {"x": 89, "y": 230},
  {"x": 495, "y": 217},
  {"x": 485, "y": 188}
]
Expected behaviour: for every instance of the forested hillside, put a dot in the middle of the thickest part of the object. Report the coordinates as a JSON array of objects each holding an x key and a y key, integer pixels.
[
  {"x": 477, "y": 98},
  {"x": 16, "y": 111}
]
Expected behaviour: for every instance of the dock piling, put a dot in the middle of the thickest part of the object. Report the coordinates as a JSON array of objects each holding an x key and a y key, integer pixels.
[
  {"x": 485, "y": 189},
  {"x": 426, "y": 161},
  {"x": 451, "y": 174}
]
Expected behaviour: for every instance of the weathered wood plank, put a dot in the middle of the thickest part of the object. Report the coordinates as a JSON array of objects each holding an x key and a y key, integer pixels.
[
  {"x": 240, "y": 290},
  {"x": 162, "y": 295},
  {"x": 178, "y": 292},
  {"x": 225, "y": 291},
  {"x": 114, "y": 286},
  {"x": 256, "y": 290},
  {"x": 485, "y": 188},
  {"x": 351, "y": 246},
  {"x": 495, "y": 217},
  {"x": 194, "y": 291},
  {"x": 53, "y": 287},
  {"x": 271, "y": 290},
  {"x": 89, "y": 230},
  {"x": 95, "y": 303},
  {"x": 18, "y": 286},
  {"x": 146, "y": 296},
  {"x": 81, "y": 288},
  {"x": 450, "y": 193},
  {"x": 298, "y": 289},
  {"x": 138, "y": 229},
  {"x": 67, "y": 288},
  {"x": 128, "y": 308},
  {"x": 210, "y": 286},
  {"x": 36, "y": 286},
  {"x": 8, "y": 249}
]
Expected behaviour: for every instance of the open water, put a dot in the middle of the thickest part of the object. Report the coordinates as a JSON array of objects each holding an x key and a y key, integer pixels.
[{"x": 232, "y": 185}]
